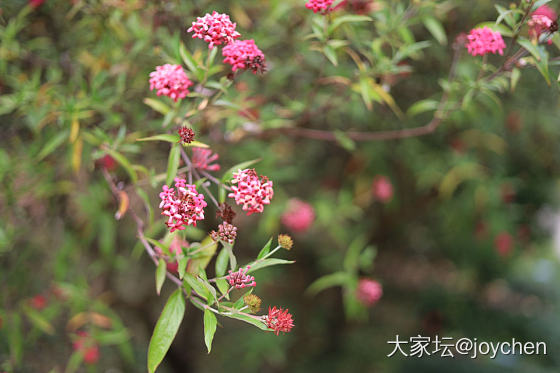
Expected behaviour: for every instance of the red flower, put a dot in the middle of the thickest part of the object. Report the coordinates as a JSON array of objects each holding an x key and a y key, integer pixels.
[
  {"x": 107, "y": 162},
  {"x": 368, "y": 292},
  {"x": 244, "y": 54},
  {"x": 215, "y": 29},
  {"x": 382, "y": 188},
  {"x": 36, "y": 3},
  {"x": 87, "y": 347},
  {"x": 543, "y": 19},
  {"x": 279, "y": 320},
  {"x": 299, "y": 215},
  {"x": 38, "y": 302},
  {"x": 503, "y": 243}
]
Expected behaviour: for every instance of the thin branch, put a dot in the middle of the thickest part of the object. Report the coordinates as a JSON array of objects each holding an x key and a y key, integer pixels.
[{"x": 197, "y": 176}]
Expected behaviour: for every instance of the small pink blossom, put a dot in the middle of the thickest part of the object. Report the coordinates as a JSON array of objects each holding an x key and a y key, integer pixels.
[
  {"x": 202, "y": 159},
  {"x": 382, "y": 188},
  {"x": 215, "y": 29},
  {"x": 503, "y": 243},
  {"x": 544, "y": 19},
  {"x": 240, "y": 279},
  {"x": 245, "y": 55},
  {"x": 299, "y": 215},
  {"x": 39, "y": 302},
  {"x": 182, "y": 205},
  {"x": 85, "y": 345},
  {"x": 36, "y": 3},
  {"x": 484, "y": 40},
  {"x": 252, "y": 191},
  {"x": 368, "y": 292},
  {"x": 319, "y": 6},
  {"x": 279, "y": 320},
  {"x": 171, "y": 81}
]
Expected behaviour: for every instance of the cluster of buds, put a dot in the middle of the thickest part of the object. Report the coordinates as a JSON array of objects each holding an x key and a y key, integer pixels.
[
  {"x": 171, "y": 81},
  {"x": 278, "y": 320},
  {"x": 225, "y": 212},
  {"x": 368, "y": 292},
  {"x": 484, "y": 40},
  {"x": 186, "y": 135},
  {"x": 285, "y": 241},
  {"x": 251, "y": 190},
  {"x": 215, "y": 29},
  {"x": 182, "y": 205},
  {"x": 244, "y": 54},
  {"x": 240, "y": 279},
  {"x": 226, "y": 232},
  {"x": 202, "y": 159},
  {"x": 320, "y": 6}
]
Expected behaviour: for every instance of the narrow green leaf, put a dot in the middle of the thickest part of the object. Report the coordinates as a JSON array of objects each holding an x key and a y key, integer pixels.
[
  {"x": 124, "y": 163},
  {"x": 344, "y": 141},
  {"x": 222, "y": 262},
  {"x": 330, "y": 53},
  {"x": 173, "y": 163},
  {"x": 248, "y": 319},
  {"x": 163, "y": 137},
  {"x": 158, "y": 106},
  {"x": 265, "y": 250},
  {"x": 325, "y": 282},
  {"x": 182, "y": 266},
  {"x": 160, "y": 275},
  {"x": 210, "y": 323},
  {"x": 347, "y": 19},
  {"x": 197, "y": 286},
  {"x": 52, "y": 144},
  {"x": 223, "y": 286},
  {"x": 268, "y": 263},
  {"x": 422, "y": 107},
  {"x": 39, "y": 321},
  {"x": 187, "y": 58},
  {"x": 436, "y": 29},
  {"x": 166, "y": 329},
  {"x": 196, "y": 144}
]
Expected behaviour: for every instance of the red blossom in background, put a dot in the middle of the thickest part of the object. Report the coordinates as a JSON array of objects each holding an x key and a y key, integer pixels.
[
  {"x": 202, "y": 159},
  {"x": 543, "y": 19},
  {"x": 484, "y": 40},
  {"x": 382, "y": 189},
  {"x": 107, "y": 163},
  {"x": 356, "y": 6},
  {"x": 503, "y": 243},
  {"x": 319, "y": 6},
  {"x": 244, "y": 54},
  {"x": 171, "y": 81},
  {"x": 182, "y": 205},
  {"x": 279, "y": 320},
  {"x": 176, "y": 248},
  {"x": 36, "y": 3},
  {"x": 87, "y": 347},
  {"x": 38, "y": 302},
  {"x": 215, "y": 29},
  {"x": 240, "y": 279},
  {"x": 299, "y": 215},
  {"x": 368, "y": 292},
  {"x": 252, "y": 191}
]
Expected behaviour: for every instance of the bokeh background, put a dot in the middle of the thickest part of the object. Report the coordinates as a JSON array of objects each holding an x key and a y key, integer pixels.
[{"x": 467, "y": 246}]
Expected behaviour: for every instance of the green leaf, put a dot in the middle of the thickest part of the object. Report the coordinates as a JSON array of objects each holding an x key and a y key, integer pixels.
[
  {"x": 248, "y": 319},
  {"x": 182, "y": 266},
  {"x": 210, "y": 323},
  {"x": 160, "y": 275},
  {"x": 188, "y": 58},
  {"x": 421, "y": 107},
  {"x": 330, "y": 54},
  {"x": 347, "y": 19},
  {"x": 436, "y": 29},
  {"x": 222, "y": 262},
  {"x": 173, "y": 163},
  {"x": 265, "y": 250},
  {"x": 157, "y": 105},
  {"x": 124, "y": 163},
  {"x": 163, "y": 137},
  {"x": 39, "y": 321},
  {"x": 166, "y": 329},
  {"x": 344, "y": 141},
  {"x": 198, "y": 286},
  {"x": 268, "y": 263},
  {"x": 325, "y": 282},
  {"x": 196, "y": 144},
  {"x": 223, "y": 286},
  {"x": 353, "y": 254},
  {"x": 52, "y": 144}
]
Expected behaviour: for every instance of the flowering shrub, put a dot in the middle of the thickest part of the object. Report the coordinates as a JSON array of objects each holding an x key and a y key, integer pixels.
[{"x": 108, "y": 105}]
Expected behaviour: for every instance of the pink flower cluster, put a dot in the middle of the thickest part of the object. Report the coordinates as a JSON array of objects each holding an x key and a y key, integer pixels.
[
  {"x": 87, "y": 347},
  {"x": 171, "y": 81},
  {"x": 240, "y": 279},
  {"x": 319, "y": 6},
  {"x": 215, "y": 29},
  {"x": 202, "y": 159},
  {"x": 368, "y": 292},
  {"x": 298, "y": 216},
  {"x": 182, "y": 205},
  {"x": 543, "y": 19},
  {"x": 279, "y": 320},
  {"x": 244, "y": 54},
  {"x": 252, "y": 191},
  {"x": 484, "y": 40}
]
